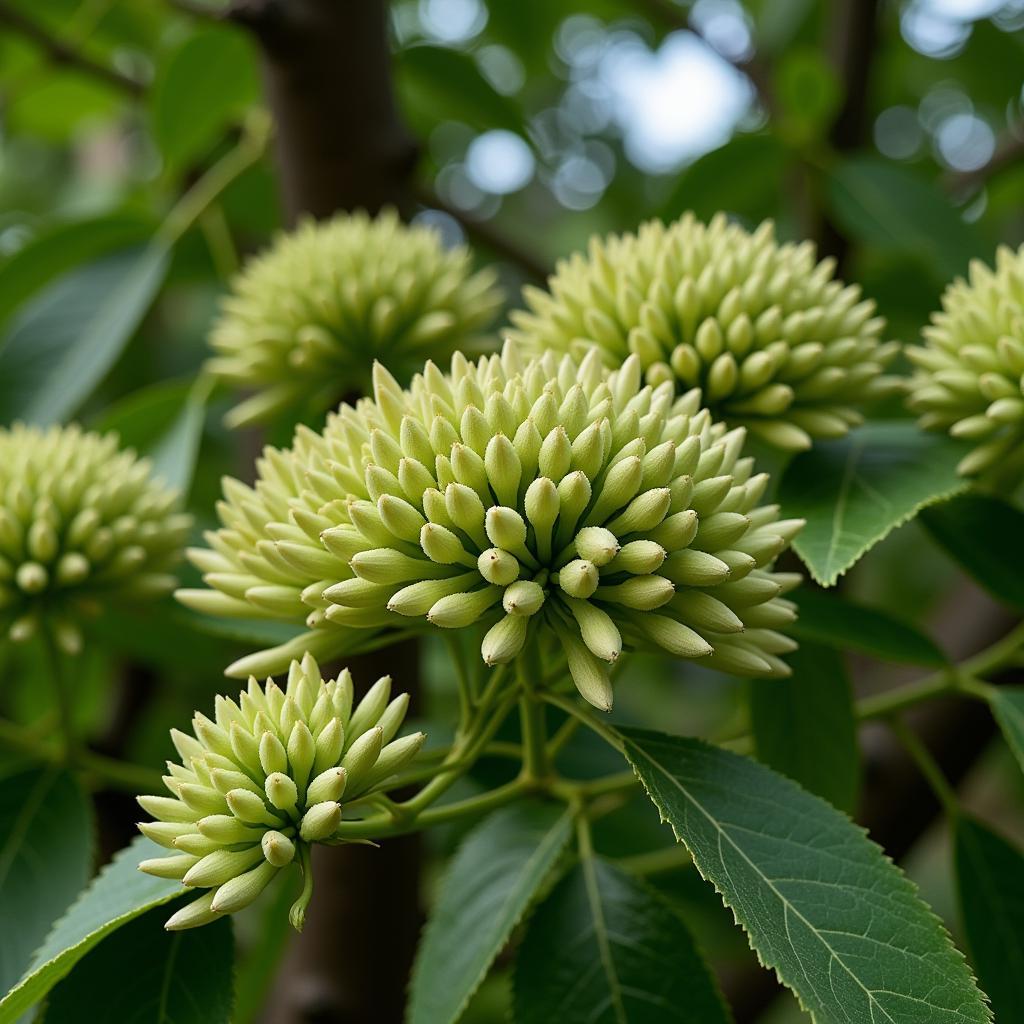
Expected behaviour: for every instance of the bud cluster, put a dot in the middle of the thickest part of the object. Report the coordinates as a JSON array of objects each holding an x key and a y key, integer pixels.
[
  {"x": 264, "y": 779},
  {"x": 970, "y": 369},
  {"x": 775, "y": 342},
  {"x": 81, "y": 524},
  {"x": 522, "y": 495},
  {"x": 306, "y": 319}
]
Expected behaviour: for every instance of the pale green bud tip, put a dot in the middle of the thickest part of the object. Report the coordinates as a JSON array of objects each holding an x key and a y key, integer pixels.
[
  {"x": 264, "y": 776},
  {"x": 83, "y": 524},
  {"x": 287, "y": 330},
  {"x": 969, "y": 376}
]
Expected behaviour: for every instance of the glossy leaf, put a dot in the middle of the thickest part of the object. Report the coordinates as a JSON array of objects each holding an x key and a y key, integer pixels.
[
  {"x": 45, "y": 856},
  {"x": 821, "y": 904},
  {"x": 986, "y": 536},
  {"x": 603, "y": 948},
  {"x": 118, "y": 894},
  {"x": 1007, "y": 703},
  {"x": 491, "y": 882},
  {"x": 853, "y": 492},
  {"x": 804, "y": 726},
  {"x": 147, "y": 975},
  {"x": 828, "y": 619},
  {"x": 207, "y": 83},
  {"x": 990, "y": 884},
  {"x": 62, "y": 344}
]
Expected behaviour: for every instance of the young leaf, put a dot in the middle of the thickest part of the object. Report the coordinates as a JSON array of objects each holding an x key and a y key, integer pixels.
[
  {"x": 147, "y": 975},
  {"x": 986, "y": 536},
  {"x": 832, "y": 620},
  {"x": 821, "y": 904},
  {"x": 118, "y": 894},
  {"x": 61, "y": 345},
  {"x": 1007, "y": 703},
  {"x": 804, "y": 726},
  {"x": 491, "y": 882},
  {"x": 603, "y": 947},
  {"x": 990, "y": 882},
  {"x": 45, "y": 855},
  {"x": 853, "y": 492}
]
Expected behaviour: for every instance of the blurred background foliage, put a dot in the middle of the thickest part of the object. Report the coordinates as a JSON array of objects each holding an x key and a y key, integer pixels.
[{"x": 898, "y": 146}]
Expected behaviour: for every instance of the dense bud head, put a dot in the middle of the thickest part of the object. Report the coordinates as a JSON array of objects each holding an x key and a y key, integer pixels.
[
  {"x": 970, "y": 370},
  {"x": 268, "y": 775},
  {"x": 599, "y": 520},
  {"x": 306, "y": 319},
  {"x": 82, "y": 524},
  {"x": 774, "y": 341}
]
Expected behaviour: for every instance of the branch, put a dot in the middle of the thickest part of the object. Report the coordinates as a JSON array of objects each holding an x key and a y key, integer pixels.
[
  {"x": 487, "y": 235},
  {"x": 60, "y": 52}
]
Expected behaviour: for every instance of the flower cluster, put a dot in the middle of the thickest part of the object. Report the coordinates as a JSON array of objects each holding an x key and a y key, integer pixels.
[
  {"x": 306, "y": 319},
  {"x": 81, "y": 524},
  {"x": 265, "y": 779},
  {"x": 775, "y": 342},
  {"x": 970, "y": 376},
  {"x": 522, "y": 495}
]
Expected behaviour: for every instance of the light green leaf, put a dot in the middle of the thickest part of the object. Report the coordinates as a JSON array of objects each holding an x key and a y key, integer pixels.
[
  {"x": 1007, "y": 703},
  {"x": 828, "y": 619},
  {"x": 986, "y": 536},
  {"x": 854, "y": 491},
  {"x": 147, "y": 975},
  {"x": 61, "y": 345},
  {"x": 491, "y": 882},
  {"x": 990, "y": 884},
  {"x": 118, "y": 894},
  {"x": 603, "y": 948},
  {"x": 45, "y": 856},
  {"x": 206, "y": 83},
  {"x": 804, "y": 726},
  {"x": 838, "y": 922},
  {"x": 896, "y": 209}
]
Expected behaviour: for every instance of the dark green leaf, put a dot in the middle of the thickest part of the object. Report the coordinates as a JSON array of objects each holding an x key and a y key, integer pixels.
[
  {"x": 1007, "y": 703},
  {"x": 491, "y": 882},
  {"x": 61, "y": 345},
  {"x": 119, "y": 894},
  {"x": 832, "y": 620},
  {"x": 61, "y": 248},
  {"x": 894, "y": 208},
  {"x": 207, "y": 83},
  {"x": 854, "y": 491},
  {"x": 804, "y": 726},
  {"x": 605, "y": 949},
  {"x": 986, "y": 536},
  {"x": 821, "y": 904},
  {"x": 147, "y": 975},
  {"x": 990, "y": 882},
  {"x": 45, "y": 856}
]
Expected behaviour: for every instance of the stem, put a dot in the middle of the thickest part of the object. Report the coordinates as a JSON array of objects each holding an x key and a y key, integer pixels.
[
  {"x": 60, "y": 689},
  {"x": 217, "y": 233},
  {"x": 570, "y": 707},
  {"x": 657, "y": 862},
  {"x": 885, "y": 704},
  {"x": 926, "y": 763},
  {"x": 462, "y": 678},
  {"x": 566, "y": 731},
  {"x": 534, "y": 730}
]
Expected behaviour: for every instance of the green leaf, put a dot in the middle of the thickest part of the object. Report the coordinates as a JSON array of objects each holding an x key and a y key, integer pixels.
[
  {"x": 118, "y": 894},
  {"x": 45, "y": 856},
  {"x": 491, "y": 882},
  {"x": 827, "y": 619},
  {"x": 990, "y": 884},
  {"x": 804, "y": 726},
  {"x": 896, "y": 209},
  {"x": 164, "y": 422},
  {"x": 603, "y": 948},
  {"x": 208, "y": 82},
  {"x": 986, "y": 536},
  {"x": 1007, "y": 704},
  {"x": 821, "y": 904},
  {"x": 854, "y": 491},
  {"x": 61, "y": 248},
  {"x": 61, "y": 345},
  {"x": 147, "y": 975}
]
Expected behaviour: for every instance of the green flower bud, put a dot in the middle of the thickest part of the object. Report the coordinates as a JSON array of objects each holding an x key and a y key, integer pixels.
[
  {"x": 597, "y": 545},
  {"x": 504, "y": 640},
  {"x": 579, "y": 578},
  {"x": 497, "y": 566},
  {"x": 268, "y": 810}
]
